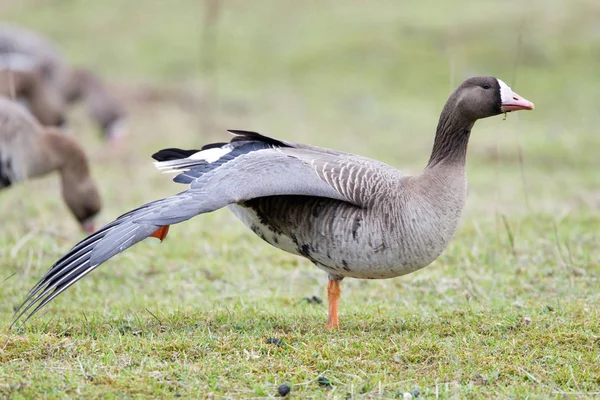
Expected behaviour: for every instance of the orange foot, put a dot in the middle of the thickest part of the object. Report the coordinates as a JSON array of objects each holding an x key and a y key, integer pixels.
[{"x": 161, "y": 233}]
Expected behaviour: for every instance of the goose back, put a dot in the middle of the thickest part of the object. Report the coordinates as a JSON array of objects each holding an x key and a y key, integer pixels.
[{"x": 19, "y": 40}]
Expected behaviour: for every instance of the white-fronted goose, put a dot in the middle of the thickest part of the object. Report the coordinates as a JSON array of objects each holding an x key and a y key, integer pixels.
[
  {"x": 350, "y": 215},
  {"x": 72, "y": 83},
  {"x": 21, "y": 79},
  {"x": 28, "y": 150}
]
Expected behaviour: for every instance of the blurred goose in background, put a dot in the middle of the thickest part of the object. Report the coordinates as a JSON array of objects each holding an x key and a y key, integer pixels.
[
  {"x": 21, "y": 80},
  {"x": 350, "y": 215},
  {"x": 72, "y": 83},
  {"x": 28, "y": 150}
]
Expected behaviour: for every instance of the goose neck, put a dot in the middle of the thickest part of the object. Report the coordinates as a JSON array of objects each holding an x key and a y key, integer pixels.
[{"x": 451, "y": 138}]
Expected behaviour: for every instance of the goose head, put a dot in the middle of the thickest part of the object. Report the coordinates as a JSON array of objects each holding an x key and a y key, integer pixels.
[
  {"x": 83, "y": 199},
  {"x": 476, "y": 98},
  {"x": 103, "y": 106},
  {"x": 486, "y": 96}
]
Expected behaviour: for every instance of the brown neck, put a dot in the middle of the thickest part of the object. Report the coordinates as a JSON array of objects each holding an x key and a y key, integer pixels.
[
  {"x": 63, "y": 153},
  {"x": 80, "y": 82},
  {"x": 45, "y": 104},
  {"x": 78, "y": 188},
  {"x": 452, "y": 137}
]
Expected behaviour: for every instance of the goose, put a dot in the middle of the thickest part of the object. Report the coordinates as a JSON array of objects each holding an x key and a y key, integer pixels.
[
  {"x": 28, "y": 150},
  {"x": 350, "y": 215},
  {"x": 71, "y": 83},
  {"x": 103, "y": 106},
  {"x": 21, "y": 79}
]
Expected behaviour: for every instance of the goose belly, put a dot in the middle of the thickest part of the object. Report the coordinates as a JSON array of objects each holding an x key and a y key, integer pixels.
[
  {"x": 342, "y": 239},
  {"x": 253, "y": 220}
]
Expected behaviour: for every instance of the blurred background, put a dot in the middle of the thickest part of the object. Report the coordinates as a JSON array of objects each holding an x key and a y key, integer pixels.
[
  {"x": 363, "y": 77},
  {"x": 367, "y": 77},
  {"x": 354, "y": 75}
]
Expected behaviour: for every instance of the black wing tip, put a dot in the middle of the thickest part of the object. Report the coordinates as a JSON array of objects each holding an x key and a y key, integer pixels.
[
  {"x": 242, "y": 132},
  {"x": 53, "y": 282},
  {"x": 14, "y": 322},
  {"x": 250, "y": 135},
  {"x": 19, "y": 320},
  {"x": 172, "y": 153}
]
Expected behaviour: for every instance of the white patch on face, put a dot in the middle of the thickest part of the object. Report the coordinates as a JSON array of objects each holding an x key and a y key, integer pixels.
[
  {"x": 211, "y": 155},
  {"x": 506, "y": 93}
]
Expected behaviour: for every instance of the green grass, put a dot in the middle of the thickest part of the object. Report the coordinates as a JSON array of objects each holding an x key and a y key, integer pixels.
[{"x": 510, "y": 310}]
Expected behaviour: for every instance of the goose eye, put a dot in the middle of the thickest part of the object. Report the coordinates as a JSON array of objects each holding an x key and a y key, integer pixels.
[{"x": 486, "y": 86}]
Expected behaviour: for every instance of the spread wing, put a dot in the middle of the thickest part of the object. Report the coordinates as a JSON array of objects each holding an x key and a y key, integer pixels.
[{"x": 249, "y": 166}]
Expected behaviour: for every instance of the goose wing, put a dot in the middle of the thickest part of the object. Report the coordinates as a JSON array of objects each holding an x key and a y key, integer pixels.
[{"x": 249, "y": 166}]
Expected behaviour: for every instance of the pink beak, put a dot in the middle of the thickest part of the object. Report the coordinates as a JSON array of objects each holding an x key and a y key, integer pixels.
[
  {"x": 115, "y": 142},
  {"x": 510, "y": 101},
  {"x": 88, "y": 227},
  {"x": 515, "y": 103},
  {"x": 115, "y": 133}
]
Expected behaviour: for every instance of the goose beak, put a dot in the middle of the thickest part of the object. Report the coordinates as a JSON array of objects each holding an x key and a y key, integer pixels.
[
  {"x": 115, "y": 142},
  {"x": 514, "y": 102},
  {"x": 510, "y": 101},
  {"x": 115, "y": 133},
  {"x": 88, "y": 227}
]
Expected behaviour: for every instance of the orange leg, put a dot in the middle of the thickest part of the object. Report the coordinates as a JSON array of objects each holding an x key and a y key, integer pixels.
[{"x": 333, "y": 295}]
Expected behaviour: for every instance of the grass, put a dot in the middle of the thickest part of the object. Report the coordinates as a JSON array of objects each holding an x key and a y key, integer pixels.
[{"x": 510, "y": 310}]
